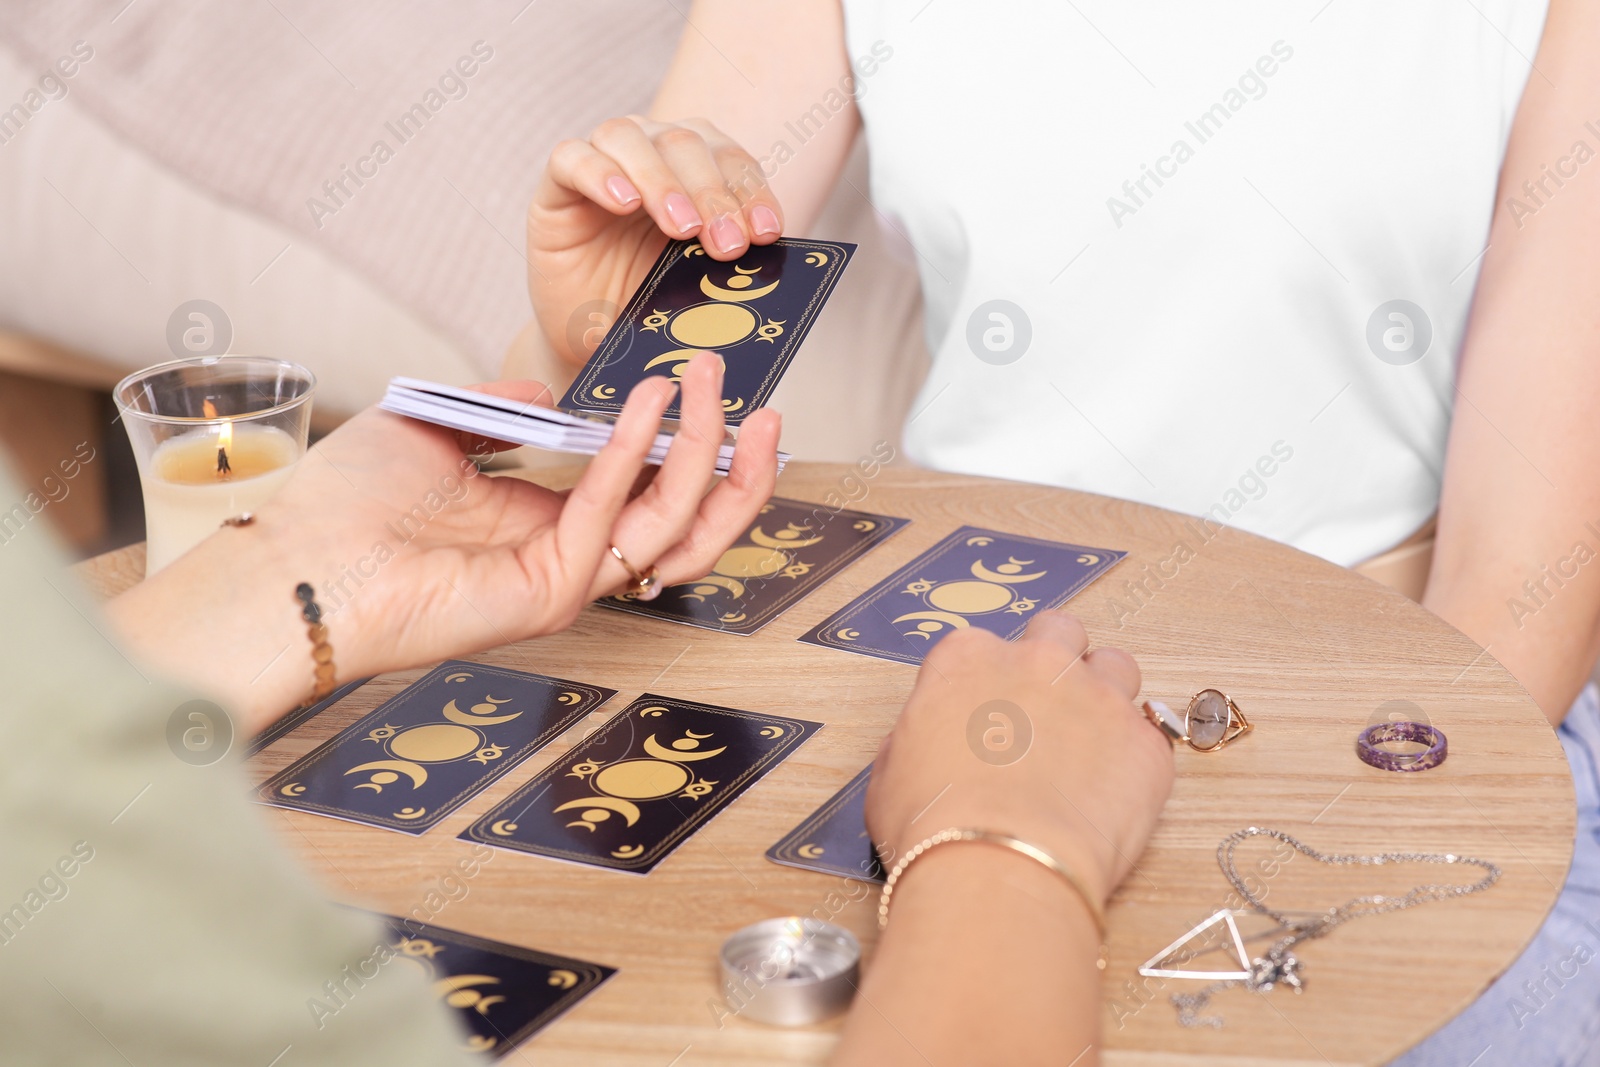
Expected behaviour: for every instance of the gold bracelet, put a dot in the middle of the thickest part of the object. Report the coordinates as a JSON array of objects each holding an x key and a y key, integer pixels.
[{"x": 1033, "y": 852}]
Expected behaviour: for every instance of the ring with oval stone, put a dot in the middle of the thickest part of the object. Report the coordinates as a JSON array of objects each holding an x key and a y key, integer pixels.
[{"x": 1211, "y": 722}]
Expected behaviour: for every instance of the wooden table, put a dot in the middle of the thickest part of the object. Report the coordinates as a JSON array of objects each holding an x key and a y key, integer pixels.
[{"x": 1311, "y": 652}]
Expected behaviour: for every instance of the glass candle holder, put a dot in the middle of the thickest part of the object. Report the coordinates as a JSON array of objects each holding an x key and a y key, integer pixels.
[{"x": 214, "y": 437}]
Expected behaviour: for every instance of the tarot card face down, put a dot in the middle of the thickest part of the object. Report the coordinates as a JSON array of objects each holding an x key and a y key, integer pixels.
[
  {"x": 502, "y": 994},
  {"x": 755, "y": 311},
  {"x": 299, "y": 716},
  {"x": 994, "y": 581},
  {"x": 834, "y": 839},
  {"x": 642, "y": 784},
  {"x": 424, "y": 753},
  {"x": 791, "y": 549}
]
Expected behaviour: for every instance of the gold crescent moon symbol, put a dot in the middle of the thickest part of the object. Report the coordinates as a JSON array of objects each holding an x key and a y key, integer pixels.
[
  {"x": 980, "y": 571},
  {"x": 817, "y": 259},
  {"x": 628, "y": 852},
  {"x": 811, "y": 852},
  {"x": 732, "y": 585},
  {"x": 766, "y": 540},
  {"x": 772, "y": 731},
  {"x": 503, "y": 827},
  {"x": 734, "y": 404},
  {"x": 625, "y": 808},
  {"x": 459, "y": 676},
  {"x": 458, "y": 981},
  {"x": 693, "y": 250},
  {"x": 654, "y": 711},
  {"x": 931, "y": 617},
  {"x": 456, "y": 715},
  {"x": 660, "y": 751},
  {"x": 733, "y": 296},
  {"x": 569, "y": 697},
  {"x": 293, "y": 789},
  {"x": 848, "y": 634},
  {"x": 680, "y": 356},
  {"x": 415, "y": 771},
  {"x": 980, "y": 540},
  {"x": 604, "y": 392},
  {"x": 411, "y": 813},
  {"x": 733, "y": 617},
  {"x": 563, "y": 979},
  {"x": 1089, "y": 559}
]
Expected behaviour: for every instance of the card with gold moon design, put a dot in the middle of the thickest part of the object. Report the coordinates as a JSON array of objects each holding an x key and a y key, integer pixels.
[
  {"x": 500, "y": 994},
  {"x": 834, "y": 839},
  {"x": 292, "y": 721},
  {"x": 984, "y": 578},
  {"x": 755, "y": 311},
  {"x": 642, "y": 784},
  {"x": 426, "y": 751},
  {"x": 791, "y": 549}
]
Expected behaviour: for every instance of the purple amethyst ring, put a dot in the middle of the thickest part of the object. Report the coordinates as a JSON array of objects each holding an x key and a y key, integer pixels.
[{"x": 1390, "y": 733}]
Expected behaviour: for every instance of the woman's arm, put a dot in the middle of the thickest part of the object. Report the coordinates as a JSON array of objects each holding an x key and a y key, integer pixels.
[
  {"x": 989, "y": 956},
  {"x": 754, "y": 71},
  {"x": 704, "y": 165},
  {"x": 1515, "y": 566},
  {"x": 416, "y": 557}
]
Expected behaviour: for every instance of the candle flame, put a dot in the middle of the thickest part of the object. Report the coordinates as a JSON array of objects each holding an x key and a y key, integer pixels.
[{"x": 225, "y": 435}]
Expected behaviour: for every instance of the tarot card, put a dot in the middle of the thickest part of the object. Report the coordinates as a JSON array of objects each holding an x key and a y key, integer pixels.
[
  {"x": 502, "y": 994},
  {"x": 642, "y": 784},
  {"x": 790, "y": 550},
  {"x": 292, "y": 721},
  {"x": 834, "y": 839},
  {"x": 425, "y": 752},
  {"x": 984, "y": 578},
  {"x": 755, "y": 311}
]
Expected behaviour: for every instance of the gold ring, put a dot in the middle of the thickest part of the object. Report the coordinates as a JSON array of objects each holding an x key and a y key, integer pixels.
[
  {"x": 646, "y": 586},
  {"x": 1210, "y": 723}
]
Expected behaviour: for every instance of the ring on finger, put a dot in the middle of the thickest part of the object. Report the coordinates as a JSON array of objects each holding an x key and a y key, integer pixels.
[{"x": 645, "y": 585}]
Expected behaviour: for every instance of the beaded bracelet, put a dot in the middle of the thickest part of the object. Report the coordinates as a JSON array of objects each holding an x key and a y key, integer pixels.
[
  {"x": 1033, "y": 852},
  {"x": 321, "y": 650}
]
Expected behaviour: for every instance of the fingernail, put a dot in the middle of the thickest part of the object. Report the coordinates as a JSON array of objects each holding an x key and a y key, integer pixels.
[
  {"x": 680, "y": 209},
  {"x": 725, "y": 234},
  {"x": 764, "y": 220},
  {"x": 622, "y": 190}
]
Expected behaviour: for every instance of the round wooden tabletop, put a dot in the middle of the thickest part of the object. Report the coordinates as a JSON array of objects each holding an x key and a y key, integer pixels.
[{"x": 1312, "y": 653}]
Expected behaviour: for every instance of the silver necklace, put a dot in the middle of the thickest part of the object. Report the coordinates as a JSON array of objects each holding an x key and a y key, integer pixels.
[{"x": 1280, "y": 966}]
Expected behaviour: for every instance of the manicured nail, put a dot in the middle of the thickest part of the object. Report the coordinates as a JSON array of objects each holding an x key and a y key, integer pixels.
[
  {"x": 725, "y": 234},
  {"x": 680, "y": 209},
  {"x": 622, "y": 190},
  {"x": 764, "y": 220}
]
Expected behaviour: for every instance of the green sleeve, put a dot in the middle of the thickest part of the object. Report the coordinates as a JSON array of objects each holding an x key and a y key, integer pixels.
[{"x": 147, "y": 913}]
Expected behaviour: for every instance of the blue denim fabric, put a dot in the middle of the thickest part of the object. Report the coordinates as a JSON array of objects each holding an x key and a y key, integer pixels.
[{"x": 1545, "y": 1010}]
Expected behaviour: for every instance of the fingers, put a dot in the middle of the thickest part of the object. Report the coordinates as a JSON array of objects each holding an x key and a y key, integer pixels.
[
  {"x": 1117, "y": 667},
  {"x": 692, "y": 179},
  {"x": 583, "y": 533},
  {"x": 1062, "y": 632},
  {"x": 663, "y": 513},
  {"x": 579, "y": 171},
  {"x": 732, "y": 504}
]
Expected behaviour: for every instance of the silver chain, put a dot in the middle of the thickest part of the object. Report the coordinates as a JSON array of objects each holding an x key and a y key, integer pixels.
[{"x": 1280, "y": 965}]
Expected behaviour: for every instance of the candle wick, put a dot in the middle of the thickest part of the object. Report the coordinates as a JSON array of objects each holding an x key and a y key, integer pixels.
[{"x": 224, "y": 468}]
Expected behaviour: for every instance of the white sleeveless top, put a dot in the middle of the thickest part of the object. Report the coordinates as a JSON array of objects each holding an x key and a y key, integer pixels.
[{"x": 1197, "y": 216}]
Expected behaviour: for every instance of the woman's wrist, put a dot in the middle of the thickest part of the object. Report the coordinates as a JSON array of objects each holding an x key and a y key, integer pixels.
[{"x": 225, "y": 620}]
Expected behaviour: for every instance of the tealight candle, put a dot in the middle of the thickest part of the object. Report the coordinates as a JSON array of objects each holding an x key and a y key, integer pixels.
[
  {"x": 188, "y": 495},
  {"x": 215, "y": 438}
]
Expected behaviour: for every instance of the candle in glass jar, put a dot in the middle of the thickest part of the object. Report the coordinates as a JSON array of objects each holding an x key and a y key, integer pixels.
[{"x": 198, "y": 479}]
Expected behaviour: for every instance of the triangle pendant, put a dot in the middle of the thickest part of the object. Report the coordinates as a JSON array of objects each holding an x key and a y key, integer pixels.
[{"x": 1155, "y": 967}]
